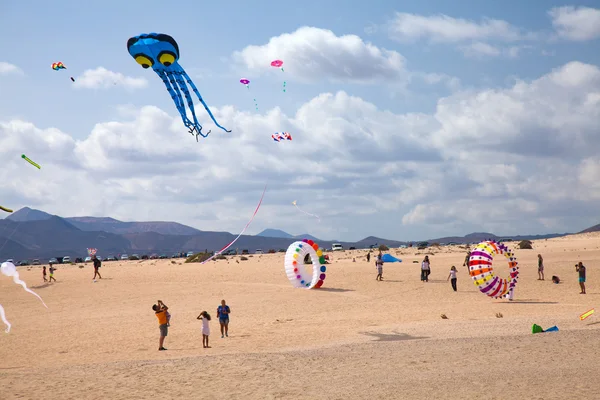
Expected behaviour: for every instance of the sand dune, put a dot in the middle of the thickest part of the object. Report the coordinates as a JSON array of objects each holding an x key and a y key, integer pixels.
[{"x": 354, "y": 339}]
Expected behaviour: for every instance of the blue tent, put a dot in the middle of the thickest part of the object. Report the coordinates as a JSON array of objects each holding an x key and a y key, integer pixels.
[{"x": 390, "y": 258}]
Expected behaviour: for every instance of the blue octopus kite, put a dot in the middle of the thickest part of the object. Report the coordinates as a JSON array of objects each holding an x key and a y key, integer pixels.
[{"x": 161, "y": 52}]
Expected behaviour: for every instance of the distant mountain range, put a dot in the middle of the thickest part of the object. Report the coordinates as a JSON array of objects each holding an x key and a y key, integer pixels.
[{"x": 29, "y": 233}]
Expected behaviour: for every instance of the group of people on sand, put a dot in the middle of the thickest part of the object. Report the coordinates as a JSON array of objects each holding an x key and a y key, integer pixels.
[
  {"x": 164, "y": 322},
  {"x": 452, "y": 276},
  {"x": 51, "y": 269}
]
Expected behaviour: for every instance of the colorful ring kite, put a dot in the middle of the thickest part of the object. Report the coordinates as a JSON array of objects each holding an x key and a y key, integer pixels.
[
  {"x": 480, "y": 269},
  {"x": 294, "y": 264}
]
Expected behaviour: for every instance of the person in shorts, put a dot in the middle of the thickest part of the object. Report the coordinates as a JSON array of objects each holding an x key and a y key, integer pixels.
[
  {"x": 160, "y": 310},
  {"x": 581, "y": 269},
  {"x": 223, "y": 312},
  {"x": 97, "y": 265},
  {"x": 540, "y": 268},
  {"x": 379, "y": 266}
]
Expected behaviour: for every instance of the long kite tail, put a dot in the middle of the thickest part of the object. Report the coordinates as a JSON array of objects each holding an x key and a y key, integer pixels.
[
  {"x": 307, "y": 213},
  {"x": 195, "y": 89},
  {"x": 3, "y": 316},
  {"x": 241, "y": 233},
  {"x": 20, "y": 282}
]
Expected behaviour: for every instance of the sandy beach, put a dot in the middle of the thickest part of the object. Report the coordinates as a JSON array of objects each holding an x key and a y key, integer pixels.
[{"x": 355, "y": 338}]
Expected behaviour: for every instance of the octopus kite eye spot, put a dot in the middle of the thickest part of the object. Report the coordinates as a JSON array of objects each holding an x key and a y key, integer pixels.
[
  {"x": 166, "y": 59},
  {"x": 144, "y": 61}
]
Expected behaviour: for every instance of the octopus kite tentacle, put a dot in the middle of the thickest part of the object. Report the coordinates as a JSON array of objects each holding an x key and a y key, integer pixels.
[
  {"x": 189, "y": 81},
  {"x": 176, "y": 96},
  {"x": 190, "y": 103}
]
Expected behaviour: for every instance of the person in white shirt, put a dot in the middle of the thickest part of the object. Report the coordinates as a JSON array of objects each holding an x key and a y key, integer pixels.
[
  {"x": 205, "y": 317},
  {"x": 425, "y": 269},
  {"x": 452, "y": 277},
  {"x": 379, "y": 265}
]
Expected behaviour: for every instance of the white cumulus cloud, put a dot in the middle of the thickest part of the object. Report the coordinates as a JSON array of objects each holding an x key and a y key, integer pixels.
[
  {"x": 442, "y": 28},
  {"x": 521, "y": 159},
  {"x": 7, "y": 68},
  {"x": 576, "y": 23},
  {"x": 102, "y": 78},
  {"x": 311, "y": 53}
]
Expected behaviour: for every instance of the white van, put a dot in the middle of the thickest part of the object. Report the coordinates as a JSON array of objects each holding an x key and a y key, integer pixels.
[
  {"x": 336, "y": 246},
  {"x": 258, "y": 251},
  {"x": 66, "y": 260}
]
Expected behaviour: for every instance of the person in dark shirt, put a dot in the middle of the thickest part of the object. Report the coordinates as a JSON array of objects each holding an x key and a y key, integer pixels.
[
  {"x": 581, "y": 269},
  {"x": 97, "y": 265}
]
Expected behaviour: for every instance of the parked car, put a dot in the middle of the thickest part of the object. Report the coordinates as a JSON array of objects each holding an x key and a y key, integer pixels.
[
  {"x": 53, "y": 261},
  {"x": 258, "y": 251},
  {"x": 336, "y": 247},
  {"x": 78, "y": 260},
  {"x": 23, "y": 263},
  {"x": 176, "y": 255},
  {"x": 352, "y": 248},
  {"x": 281, "y": 251},
  {"x": 271, "y": 251},
  {"x": 145, "y": 257},
  {"x": 110, "y": 258},
  {"x": 36, "y": 262},
  {"x": 229, "y": 253},
  {"x": 189, "y": 254},
  {"x": 10, "y": 260},
  {"x": 163, "y": 256},
  {"x": 245, "y": 251},
  {"x": 66, "y": 260},
  {"x": 134, "y": 257},
  {"x": 124, "y": 257},
  {"x": 87, "y": 259},
  {"x": 154, "y": 257}
]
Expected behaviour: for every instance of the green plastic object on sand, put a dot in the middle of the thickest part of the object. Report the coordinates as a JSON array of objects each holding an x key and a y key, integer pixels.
[{"x": 538, "y": 329}]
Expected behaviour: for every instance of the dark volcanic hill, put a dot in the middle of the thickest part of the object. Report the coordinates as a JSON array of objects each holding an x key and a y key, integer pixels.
[{"x": 29, "y": 233}]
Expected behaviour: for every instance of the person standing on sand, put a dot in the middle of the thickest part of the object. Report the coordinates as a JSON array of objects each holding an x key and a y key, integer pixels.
[
  {"x": 160, "y": 310},
  {"x": 205, "y": 317},
  {"x": 369, "y": 257},
  {"x": 52, "y": 269},
  {"x": 97, "y": 265},
  {"x": 581, "y": 269},
  {"x": 425, "y": 269},
  {"x": 540, "y": 268},
  {"x": 44, "y": 274},
  {"x": 223, "y": 312},
  {"x": 379, "y": 266},
  {"x": 466, "y": 263},
  {"x": 452, "y": 277}
]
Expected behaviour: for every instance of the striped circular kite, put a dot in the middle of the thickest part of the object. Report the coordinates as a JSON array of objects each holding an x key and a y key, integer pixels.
[
  {"x": 294, "y": 264},
  {"x": 480, "y": 269}
]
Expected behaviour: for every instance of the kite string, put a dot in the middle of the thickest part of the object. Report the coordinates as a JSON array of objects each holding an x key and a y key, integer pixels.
[{"x": 241, "y": 233}]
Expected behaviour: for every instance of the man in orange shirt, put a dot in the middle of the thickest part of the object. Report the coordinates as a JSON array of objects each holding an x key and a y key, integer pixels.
[{"x": 160, "y": 310}]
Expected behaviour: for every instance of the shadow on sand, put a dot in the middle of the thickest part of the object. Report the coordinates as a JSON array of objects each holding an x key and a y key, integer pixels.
[
  {"x": 391, "y": 337},
  {"x": 327, "y": 289},
  {"x": 531, "y": 301},
  {"x": 45, "y": 285}
]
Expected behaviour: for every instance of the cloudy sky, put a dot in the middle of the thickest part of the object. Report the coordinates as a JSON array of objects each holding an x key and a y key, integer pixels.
[{"x": 410, "y": 119}]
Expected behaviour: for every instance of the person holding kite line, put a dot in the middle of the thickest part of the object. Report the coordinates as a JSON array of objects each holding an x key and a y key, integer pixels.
[
  {"x": 160, "y": 310},
  {"x": 223, "y": 312},
  {"x": 97, "y": 265}
]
